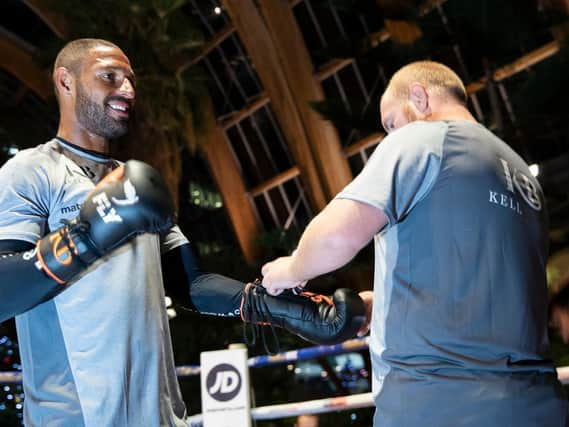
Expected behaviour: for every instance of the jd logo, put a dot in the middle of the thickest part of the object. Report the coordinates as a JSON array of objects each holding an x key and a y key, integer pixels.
[{"x": 223, "y": 382}]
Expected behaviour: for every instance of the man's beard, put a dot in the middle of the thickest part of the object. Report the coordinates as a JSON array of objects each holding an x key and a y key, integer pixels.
[{"x": 93, "y": 117}]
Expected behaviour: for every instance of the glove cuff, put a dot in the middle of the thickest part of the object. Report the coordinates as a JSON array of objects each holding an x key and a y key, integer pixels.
[{"x": 66, "y": 252}]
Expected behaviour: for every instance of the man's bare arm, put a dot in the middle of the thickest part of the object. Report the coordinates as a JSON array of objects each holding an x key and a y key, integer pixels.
[{"x": 330, "y": 241}]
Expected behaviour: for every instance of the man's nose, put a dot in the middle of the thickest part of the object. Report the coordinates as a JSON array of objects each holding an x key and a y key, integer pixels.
[{"x": 127, "y": 89}]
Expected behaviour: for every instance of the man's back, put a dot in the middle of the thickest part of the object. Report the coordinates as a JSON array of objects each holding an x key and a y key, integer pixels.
[
  {"x": 473, "y": 270},
  {"x": 460, "y": 295}
]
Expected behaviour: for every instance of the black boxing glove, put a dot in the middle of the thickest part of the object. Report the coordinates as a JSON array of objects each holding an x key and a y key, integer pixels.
[
  {"x": 131, "y": 200},
  {"x": 316, "y": 318}
]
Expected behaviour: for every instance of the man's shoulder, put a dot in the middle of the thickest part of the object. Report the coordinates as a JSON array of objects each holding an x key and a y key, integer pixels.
[
  {"x": 42, "y": 156},
  {"x": 38, "y": 164},
  {"x": 417, "y": 137},
  {"x": 420, "y": 131},
  {"x": 45, "y": 152}
]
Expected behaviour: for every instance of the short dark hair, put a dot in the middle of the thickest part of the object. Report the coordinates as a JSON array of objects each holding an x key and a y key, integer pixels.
[
  {"x": 71, "y": 56},
  {"x": 431, "y": 74}
]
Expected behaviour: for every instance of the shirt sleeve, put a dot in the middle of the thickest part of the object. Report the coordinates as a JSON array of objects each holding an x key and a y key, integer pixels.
[
  {"x": 401, "y": 171},
  {"x": 24, "y": 199},
  {"x": 172, "y": 239}
]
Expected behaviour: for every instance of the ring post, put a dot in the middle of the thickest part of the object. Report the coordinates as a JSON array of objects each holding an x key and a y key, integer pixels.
[{"x": 225, "y": 387}]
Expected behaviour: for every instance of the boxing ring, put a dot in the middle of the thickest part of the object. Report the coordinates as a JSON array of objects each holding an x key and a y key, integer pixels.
[{"x": 319, "y": 406}]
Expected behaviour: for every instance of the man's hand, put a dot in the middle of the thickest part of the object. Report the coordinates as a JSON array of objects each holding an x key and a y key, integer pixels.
[
  {"x": 367, "y": 298},
  {"x": 278, "y": 275}
]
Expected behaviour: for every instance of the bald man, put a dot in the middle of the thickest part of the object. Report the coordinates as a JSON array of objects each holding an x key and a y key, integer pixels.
[{"x": 459, "y": 323}]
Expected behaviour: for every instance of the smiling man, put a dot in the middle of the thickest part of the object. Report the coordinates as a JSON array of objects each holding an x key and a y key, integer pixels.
[
  {"x": 89, "y": 298},
  {"x": 459, "y": 324},
  {"x": 99, "y": 352},
  {"x": 95, "y": 92}
]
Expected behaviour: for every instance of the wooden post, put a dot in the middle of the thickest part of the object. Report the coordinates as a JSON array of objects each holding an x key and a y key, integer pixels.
[
  {"x": 263, "y": 52},
  {"x": 226, "y": 173},
  {"x": 333, "y": 168},
  {"x": 54, "y": 21},
  {"x": 19, "y": 62}
]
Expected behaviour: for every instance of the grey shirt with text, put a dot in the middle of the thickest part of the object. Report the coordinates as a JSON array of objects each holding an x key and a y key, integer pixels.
[{"x": 459, "y": 329}]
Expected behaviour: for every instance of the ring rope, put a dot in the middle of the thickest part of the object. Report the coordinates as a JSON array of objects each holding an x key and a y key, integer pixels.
[
  {"x": 14, "y": 377},
  {"x": 320, "y": 406}
]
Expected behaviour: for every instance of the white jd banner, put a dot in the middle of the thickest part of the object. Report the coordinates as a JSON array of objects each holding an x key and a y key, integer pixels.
[{"x": 225, "y": 388}]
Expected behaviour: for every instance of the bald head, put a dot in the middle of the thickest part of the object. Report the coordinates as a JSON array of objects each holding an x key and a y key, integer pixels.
[
  {"x": 74, "y": 52},
  {"x": 94, "y": 86},
  {"x": 439, "y": 79},
  {"x": 423, "y": 90}
]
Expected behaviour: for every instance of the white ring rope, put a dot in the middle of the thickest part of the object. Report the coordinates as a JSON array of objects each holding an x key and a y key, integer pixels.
[{"x": 320, "y": 406}]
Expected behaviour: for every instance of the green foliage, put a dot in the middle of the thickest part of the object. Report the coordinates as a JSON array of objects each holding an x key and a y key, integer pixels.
[{"x": 559, "y": 350}]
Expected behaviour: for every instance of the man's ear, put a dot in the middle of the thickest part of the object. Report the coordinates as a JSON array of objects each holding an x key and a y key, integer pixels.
[
  {"x": 419, "y": 97},
  {"x": 63, "y": 81}
]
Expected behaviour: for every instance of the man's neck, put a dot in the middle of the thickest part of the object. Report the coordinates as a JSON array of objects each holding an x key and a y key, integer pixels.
[
  {"x": 84, "y": 139},
  {"x": 97, "y": 156},
  {"x": 451, "y": 112}
]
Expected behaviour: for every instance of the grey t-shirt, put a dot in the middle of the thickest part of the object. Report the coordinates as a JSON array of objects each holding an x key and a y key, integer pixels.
[
  {"x": 459, "y": 328},
  {"x": 99, "y": 353}
]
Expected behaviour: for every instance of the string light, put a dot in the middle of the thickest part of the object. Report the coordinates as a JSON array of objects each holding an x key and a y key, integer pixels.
[{"x": 11, "y": 395}]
